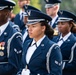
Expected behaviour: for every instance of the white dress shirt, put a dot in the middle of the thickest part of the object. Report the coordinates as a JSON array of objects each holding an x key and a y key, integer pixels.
[
  {"x": 21, "y": 14},
  {"x": 32, "y": 49},
  {"x": 62, "y": 39},
  {"x": 3, "y": 27}
]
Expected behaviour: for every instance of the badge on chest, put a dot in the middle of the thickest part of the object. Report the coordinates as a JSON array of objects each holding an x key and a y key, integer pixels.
[{"x": 2, "y": 44}]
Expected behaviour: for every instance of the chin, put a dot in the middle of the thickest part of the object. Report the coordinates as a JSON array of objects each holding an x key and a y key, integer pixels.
[{"x": 30, "y": 36}]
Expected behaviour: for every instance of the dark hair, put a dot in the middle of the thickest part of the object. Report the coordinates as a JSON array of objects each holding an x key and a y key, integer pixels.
[
  {"x": 73, "y": 29},
  {"x": 49, "y": 30}
]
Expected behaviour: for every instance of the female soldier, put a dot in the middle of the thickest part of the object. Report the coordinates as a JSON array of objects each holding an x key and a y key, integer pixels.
[
  {"x": 35, "y": 50},
  {"x": 67, "y": 42}
]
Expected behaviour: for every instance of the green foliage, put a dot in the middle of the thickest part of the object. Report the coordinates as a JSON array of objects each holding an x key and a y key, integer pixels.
[
  {"x": 36, "y": 3},
  {"x": 16, "y": 8},
  {"x": 69, "y": 5}
]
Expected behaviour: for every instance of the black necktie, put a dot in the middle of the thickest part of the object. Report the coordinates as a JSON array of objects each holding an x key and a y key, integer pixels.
[
  {"x": 34, "y": 44},
  {"x": 22, "y": 17},
  {"x": 61, "y": 39}
]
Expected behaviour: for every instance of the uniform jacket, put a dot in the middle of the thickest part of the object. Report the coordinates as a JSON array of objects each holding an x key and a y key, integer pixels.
[
  {"x": 37, "y": 63},
  {"x": 10, "y": 51},
  {"x": 19, "y": 22},
  {"x": 14, "y": 26},
  {"x": 74, "y": 34},
  {"x": 68, "y": 50}
]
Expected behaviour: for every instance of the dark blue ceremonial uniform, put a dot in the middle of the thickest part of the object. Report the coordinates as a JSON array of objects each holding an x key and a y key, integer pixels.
[
  {"x": 19, "y": 22},
  {"x": 66, "y": 50},
  {"x": 37, "y": 63},
  {"x": 11, "y": 57},
  {"x": 40, "y": 63},
  {"x": 10, "y": 42},
  {"x": 68, "y": 46}
]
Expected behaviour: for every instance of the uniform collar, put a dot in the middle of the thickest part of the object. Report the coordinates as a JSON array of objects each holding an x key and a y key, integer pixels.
[
  {"x": 38, "y": 42},
  {"x": 21, "y": 14},
  {"x": 3, "y": 27},
  {"x": 54, "y": 19},
  {"x": 65, "y": 37}
]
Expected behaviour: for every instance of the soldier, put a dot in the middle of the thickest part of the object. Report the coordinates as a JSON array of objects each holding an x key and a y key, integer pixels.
[
  {"x": 52, "y": 8},
  {"x": 10, "y": 41},
  {"x": 36, "y": 52},
  {"x": 67, "y": 41},
  {"x": 19, "y": 17}
]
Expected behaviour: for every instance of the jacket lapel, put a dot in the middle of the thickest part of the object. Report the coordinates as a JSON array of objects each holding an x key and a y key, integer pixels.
[
  {"x": 65, "y": 43},
  {"x": 25, "y": 48},
  {"x": 5, "y": 33},
  {"x": 55, "y": 23},
  {"x": 39, "y": 50}
]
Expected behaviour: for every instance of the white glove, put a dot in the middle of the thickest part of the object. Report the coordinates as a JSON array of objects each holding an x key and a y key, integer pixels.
[{"x": 25, "y": 72}]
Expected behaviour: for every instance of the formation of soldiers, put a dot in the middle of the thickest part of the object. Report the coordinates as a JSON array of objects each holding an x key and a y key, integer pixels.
[{"x": 37, "y": 43}]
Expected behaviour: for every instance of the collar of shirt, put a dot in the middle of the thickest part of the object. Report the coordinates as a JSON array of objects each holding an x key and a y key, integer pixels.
[
  {"x": 21, "y": 14},
  {"x": 65, "y": 37},
  {"x": 53, "y": 19},
  {"x": 3, "y": 27},
  {"x": 39, "y": 41}
]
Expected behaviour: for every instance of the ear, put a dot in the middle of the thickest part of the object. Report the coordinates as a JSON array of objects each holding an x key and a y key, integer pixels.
[
  {"x": 55, "y": 7},
  {"x": 71, "y": 25},
  {"x": 43, "y": 28}
]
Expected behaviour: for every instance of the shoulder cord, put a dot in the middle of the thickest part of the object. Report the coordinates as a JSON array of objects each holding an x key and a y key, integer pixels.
[
  {"x": 9, "y": 41},
  {"x": 72, "y": 53},
  {"x": 48, "y": 56}
]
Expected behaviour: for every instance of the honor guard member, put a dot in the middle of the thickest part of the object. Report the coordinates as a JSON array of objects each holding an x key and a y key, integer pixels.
[
  {"x": 67, "y": 42},
  {"x": 10, "y": 41},
  {"x": 25, "y": 18},
  {"x": 52, "y": 8},
  {"x": 16, "y": 27},
  {"x": 40, "y": 55},
  {"x": 18, "y": 20}
]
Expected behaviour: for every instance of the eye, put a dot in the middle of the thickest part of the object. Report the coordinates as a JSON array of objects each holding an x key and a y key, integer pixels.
[
  {"x": 34, "y": 25},
  {"x": 63, "y": 23}
]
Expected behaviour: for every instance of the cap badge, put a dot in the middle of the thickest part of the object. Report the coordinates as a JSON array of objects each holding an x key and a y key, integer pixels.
[
  {"x": 61, "y": 12},
  {"x": 29, "y": 12}
]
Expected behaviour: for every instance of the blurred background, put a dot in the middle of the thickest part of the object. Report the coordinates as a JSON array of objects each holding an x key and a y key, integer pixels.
[{"x": 69, "y": 5}]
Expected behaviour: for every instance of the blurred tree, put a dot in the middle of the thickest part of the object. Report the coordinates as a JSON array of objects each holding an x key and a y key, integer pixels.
[
  {"x": 69, "y": 5},
  {"x": 36, "y": 3},
  {"x": 16, "y": 8}
]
